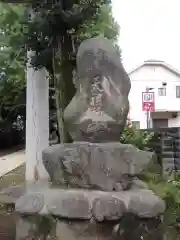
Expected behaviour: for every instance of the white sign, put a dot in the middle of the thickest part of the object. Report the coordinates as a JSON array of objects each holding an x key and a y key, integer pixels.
[{"x": 148, "y": 97}]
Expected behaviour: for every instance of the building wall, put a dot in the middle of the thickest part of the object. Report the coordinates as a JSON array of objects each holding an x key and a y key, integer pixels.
[
  {"x": 174, "y": 122},
  {"x": 153, "y": 77}
]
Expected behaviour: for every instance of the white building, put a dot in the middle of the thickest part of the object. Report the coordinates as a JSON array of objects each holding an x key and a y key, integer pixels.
[{"x": 164, "y": 81}]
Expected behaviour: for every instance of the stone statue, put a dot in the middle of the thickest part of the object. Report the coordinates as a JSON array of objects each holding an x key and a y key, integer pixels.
[
  {"x": 94, "y": 180},
  {"x": 95, "y": 118},
  {"x": 98, "y": 111}
]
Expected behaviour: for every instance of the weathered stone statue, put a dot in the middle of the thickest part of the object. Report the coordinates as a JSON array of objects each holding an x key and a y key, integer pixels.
[
  {"x": 95, "y": 117},
  {"x": 99, "y": 109},
  {"x": 94, "y": 181}
]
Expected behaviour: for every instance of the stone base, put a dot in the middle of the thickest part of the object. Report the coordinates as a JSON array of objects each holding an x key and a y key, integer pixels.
[
  {"x": 140, "y": 229},
  {"x": 78, "y": 214},
  {"x": 83, "y": 204},
  {"x": 130, "y": 227},
  {"x": 101, "y": 166}
]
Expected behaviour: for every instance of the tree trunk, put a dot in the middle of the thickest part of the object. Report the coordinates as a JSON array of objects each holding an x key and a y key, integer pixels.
[
  {"x": 67, "y": 67},
  {"x": 59, "y": 95},
  {"x": 64, "y": 86},
  {"x": 37, "y": 121}
]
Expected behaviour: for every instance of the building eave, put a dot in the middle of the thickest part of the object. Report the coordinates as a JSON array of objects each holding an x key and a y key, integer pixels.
[{"x": 156, "y": 63}]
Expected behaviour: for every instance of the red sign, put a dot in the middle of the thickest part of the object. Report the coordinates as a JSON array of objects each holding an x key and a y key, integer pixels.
[{"x": 148, "y": 103}]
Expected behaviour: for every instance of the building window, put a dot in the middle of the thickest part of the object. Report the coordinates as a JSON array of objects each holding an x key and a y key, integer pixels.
[
  {"x": 162, "y": 91},
  {"x": 178, "y": 91},
  {"x": 136, "y": 124}
]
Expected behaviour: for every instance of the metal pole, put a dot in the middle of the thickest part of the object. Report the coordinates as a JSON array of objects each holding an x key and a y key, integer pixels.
[
  {"x": 147, "y": 112},
  {"x": 147, "y": 119}
]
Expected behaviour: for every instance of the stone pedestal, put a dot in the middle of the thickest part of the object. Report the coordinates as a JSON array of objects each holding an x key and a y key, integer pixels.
[
  {"x": 95, "y": 193},
  {"x": 142, "y": 229},
  {"x": 91, "y": 215},
  {"x": 104, "y": 166},
  {"x": 56, "y": 229},
  {"x": 30, "y": 228},
  {"x": 85, "y": 205}
]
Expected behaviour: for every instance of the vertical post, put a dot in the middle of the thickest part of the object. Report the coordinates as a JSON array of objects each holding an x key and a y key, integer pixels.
[
  {"x": 148, "y": 116},
  {"x": 37, "y": 121},
  {"x": 147, "y": 113},
  {"x": 147, "y": 119}
]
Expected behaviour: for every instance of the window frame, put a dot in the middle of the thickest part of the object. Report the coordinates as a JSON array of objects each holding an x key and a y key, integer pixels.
[
  {"x": 178, "y": 91},
  {"x": 160, "y": 90}
]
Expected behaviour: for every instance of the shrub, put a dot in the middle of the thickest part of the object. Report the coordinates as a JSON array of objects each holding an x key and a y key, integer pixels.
[
  {"x": 138, "y": 138},
  {"x": 169, "y": 191}
]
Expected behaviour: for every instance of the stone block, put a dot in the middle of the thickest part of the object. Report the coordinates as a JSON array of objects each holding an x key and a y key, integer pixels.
[
  {"x": 145, "y": 204},
  {"x": 86, "y": 230},
  {"x": 30, "y": 203},
  {"x": 138, "y": 184},
  {"x": 71, "y": 205},
  {"x": 102, "y": 166},
  {"x": 108, "y": 208},
  {"x": 83, "y": 204}
]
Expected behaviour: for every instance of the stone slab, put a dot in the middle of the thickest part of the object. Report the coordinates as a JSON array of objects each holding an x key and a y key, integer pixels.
[
  {"x": 72, "y": 206},
  {"x": 30, "y": 203},
  {"x": 12, "y": 193},
  {"x": 101, "y": 166},
  {"x": 142, "y": 203},
  {"x": 108, "y": 208}
]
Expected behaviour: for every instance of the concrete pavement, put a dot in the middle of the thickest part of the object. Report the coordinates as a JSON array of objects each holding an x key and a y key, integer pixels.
[{"x": 11, "y": 161}]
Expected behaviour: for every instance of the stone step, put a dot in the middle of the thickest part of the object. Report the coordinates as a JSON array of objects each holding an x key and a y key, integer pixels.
[{"x": 83, "y": 204}]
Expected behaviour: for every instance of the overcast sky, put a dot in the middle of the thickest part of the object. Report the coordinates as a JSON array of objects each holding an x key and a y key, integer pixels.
[{"x": 150, "y": 29}]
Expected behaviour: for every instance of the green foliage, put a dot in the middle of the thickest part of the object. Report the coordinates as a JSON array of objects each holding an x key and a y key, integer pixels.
[
  {"x": 54, "y": 31},
  {"x": 53, "y": 27},
  {"x": 44, "y": 29},
  {"x": 138, "y": 138},
  {"x": 78, "y": 19},
  {"x": 104, "y": 24},
  {"x": 169, "y": 191},
  {"x": 12, "y": 67}
]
